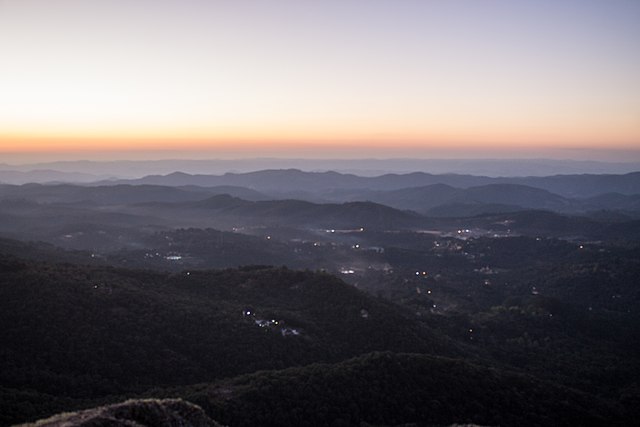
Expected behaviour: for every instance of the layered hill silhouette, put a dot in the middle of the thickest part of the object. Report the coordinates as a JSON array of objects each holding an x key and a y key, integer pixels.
[
  {"x": 231, "y": 211},
  {"x": 463, "y": 195},
  {"x": 119, "y": 194},
  {"x": 108, "y": 228},
  {"x": 367, "y": 167},
  {"x": 513, "y": 196},
  {"x": 292, "y": 180},
  {"x": 339, "y": 200}
]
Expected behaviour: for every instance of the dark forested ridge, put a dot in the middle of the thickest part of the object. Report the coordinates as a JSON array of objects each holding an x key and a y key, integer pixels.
[
  {"x": 77, "y": 336},
  {"x": 83, "y": 332},
  {"x": 397, "y": 389}
]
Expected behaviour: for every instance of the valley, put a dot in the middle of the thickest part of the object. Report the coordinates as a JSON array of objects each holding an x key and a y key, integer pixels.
[{"x": 147, "y": 291}]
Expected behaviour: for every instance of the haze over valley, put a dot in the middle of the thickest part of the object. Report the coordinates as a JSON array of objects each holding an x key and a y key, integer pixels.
[{"x": 207, "y": 277}]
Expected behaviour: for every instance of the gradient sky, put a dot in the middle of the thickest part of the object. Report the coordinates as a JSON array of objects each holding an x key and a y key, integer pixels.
[{"x": 320, "y": 78}]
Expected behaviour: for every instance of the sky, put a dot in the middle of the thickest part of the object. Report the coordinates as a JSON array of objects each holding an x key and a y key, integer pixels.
[{"x": 331, "y": 78}]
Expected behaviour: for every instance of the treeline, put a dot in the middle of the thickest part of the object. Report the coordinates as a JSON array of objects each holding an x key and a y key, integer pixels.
[{"x": 398, "y": 389}]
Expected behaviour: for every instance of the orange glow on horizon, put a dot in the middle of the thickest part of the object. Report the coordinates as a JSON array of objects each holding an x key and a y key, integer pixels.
[
  {"x": 217, "y": 76},
  {"x": 318, "y": 141}
]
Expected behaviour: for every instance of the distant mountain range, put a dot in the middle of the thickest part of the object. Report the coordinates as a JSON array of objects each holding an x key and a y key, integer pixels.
[
  {"x": 11, "y": 176},
  {"x": 433, "y": 195},
  {"x": 422, "y": 199},
  {"x": 432, "y": 200},
  {"x": 121, "y": 193},
  {"x": 363, "y": 167},
  {"x": 442, "y": 199},
  {"x": 121, "y": 214},
  {"x": 283, "y": 181}
]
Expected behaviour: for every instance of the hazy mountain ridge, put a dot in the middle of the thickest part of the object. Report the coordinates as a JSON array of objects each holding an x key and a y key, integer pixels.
[
  {"x": 330, "y": 187},
  {"x": 119, "y": 193},
  {"x": 17, "y": 177},
  {"x": 364, "y": 167},
  {"x": 422, "y": 199},
  {"x": 461, "y": 195},
  {"x": 296, "y": 180},
  {"x": 227, "y": 211},
  {"x": 105, "y": 228},
  {"x": 502, "y": 197}
]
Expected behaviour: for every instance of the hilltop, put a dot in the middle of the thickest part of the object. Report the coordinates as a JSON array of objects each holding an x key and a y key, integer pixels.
[{"x": 83, "y": 332}]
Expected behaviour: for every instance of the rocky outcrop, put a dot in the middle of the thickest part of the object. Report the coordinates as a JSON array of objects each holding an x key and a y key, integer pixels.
[{"x": 134, "y": 413}]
